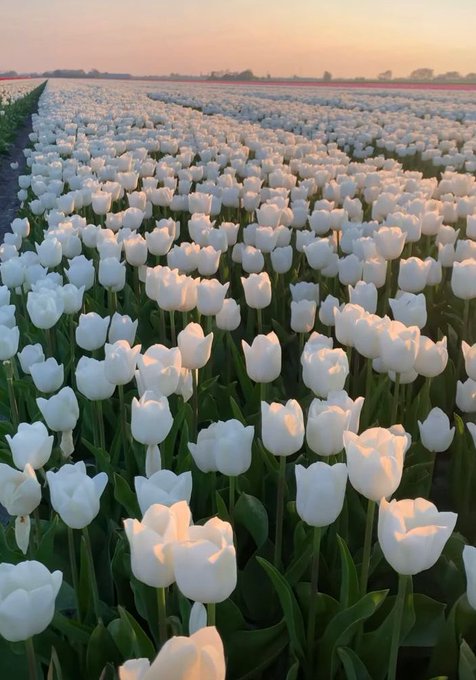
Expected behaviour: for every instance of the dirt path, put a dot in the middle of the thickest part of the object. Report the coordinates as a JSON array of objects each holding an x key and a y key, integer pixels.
[{"x": 9, "y": 203}]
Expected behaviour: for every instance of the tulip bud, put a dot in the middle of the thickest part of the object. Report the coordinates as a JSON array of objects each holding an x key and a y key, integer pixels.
[
  {"x": 151, "y": 419},
  {"x": 435, "y": 431},
  {"x": 257, "y": 289},
  {"x": 282, "y": 429},
  {"x": 194, "y": 346},
  {"x": 320, "y": 492},
  {"x": 263, "y": 358}
]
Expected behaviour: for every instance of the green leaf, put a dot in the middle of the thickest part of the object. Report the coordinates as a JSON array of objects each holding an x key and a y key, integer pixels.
[
  {"x": 354, "y": 667},
  {"x": 251, "y": 514},
  {"x": 73, "y": 630},
  {"x": 290, "y": 606},
  {"x": 123, "y": 636},
  {"x": 467, "y": 662},
  {"x": 125, "y": 496},
  {"x": 429, "y": 622},
  {"x": 54, "y": 669},
  {"x": 251, "y": 651},
  {"x": 236, "y": 411},
  {"x": 142, "y": 644},
  {"x": 101, "y": 650},
  {"x": 293, "y": 672},
  {"x": 349, "y": 587},
  {"x": 342, "y": 627}
]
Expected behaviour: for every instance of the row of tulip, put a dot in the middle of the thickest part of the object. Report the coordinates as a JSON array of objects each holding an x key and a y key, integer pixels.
[
  {"x": 17, "y": 101},
  {"x": 207, "y": 476}
]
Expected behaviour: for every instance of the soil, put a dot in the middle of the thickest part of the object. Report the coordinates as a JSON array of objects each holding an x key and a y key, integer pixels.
[{"x": 9, "y": 203}]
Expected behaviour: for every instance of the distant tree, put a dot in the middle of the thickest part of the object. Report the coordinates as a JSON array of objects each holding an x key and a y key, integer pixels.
[
  {"x": 327, "y": 76},
  {"x": 470, "y": 76},
  {"x": 449, "y": 75},
  {"x": 385, "y": 75},
  {"x": 422, "y": 74}
]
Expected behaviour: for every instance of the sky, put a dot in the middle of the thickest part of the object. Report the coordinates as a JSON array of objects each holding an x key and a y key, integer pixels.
[{"x": 350, "y": 38}]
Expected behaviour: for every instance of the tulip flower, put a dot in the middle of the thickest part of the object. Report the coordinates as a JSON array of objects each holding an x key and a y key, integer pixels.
[
  {"x": 431, "y": 358},
  {"x": 91, "y": 331},
  {"x": 120, "y": 362},
  {"x": 152, "y": 542},
  {"x": 320, "y": 490},
  {"x": 159, "y": 370},
  {"x": 224, "y": 446},
  {"x": 399, "y": 346},
  {"x": 61, "y": 412},
  {"x": 27, "y": 599},
  {"x": 229, "y": 316},
  {"x": 163, "y": 487},
  {"x": 469, "y": 354},
  {"x": 194, "y": 346},
  {"x": 463, "y": 279},
  {"x": 412, "y": 533},
  {"x": 469, "y": 560},
  {"x": 205, "y": 563},
  {"x": 323, "y": 369},
  {"x": 257, "y": 289},
  {"x": 48, "y": 376},
  {"x": 263, "y": 358},
  {"x": 122, "y": 328},
  {"x": 74, "y": 495},
  {"x": 31, "y": 445},
  {"x": 375, "y": 461},
  {"x": 199, "y": 656},
  {"x": 30, "y": 354},
  {"x": 435, "y": 432},
  {"x": 91, "y": 379}
]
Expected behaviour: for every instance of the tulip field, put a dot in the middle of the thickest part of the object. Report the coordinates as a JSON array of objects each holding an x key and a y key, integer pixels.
[{"x": 238, "y": 385}]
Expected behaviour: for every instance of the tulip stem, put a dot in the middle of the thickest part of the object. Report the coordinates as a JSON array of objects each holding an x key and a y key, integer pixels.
[
  {"x": 30, "y": 653},
  {"x": 50, "y": 342},
  {"x": 162, "y": 611},
  {"x": 100, "y": 422},
  {"x": 369, "y": 525},
  {"x": 14, "y": 416},
  {"x": 211, "y": 608},
  {"x": 231, "y": 495},
  {"x": 173, "y": 335},
  {"x": 311, "y": 624},
  {"x": 74, "y": 568},
  {"x": 279, "y": 511},
  {"x": 259, "y": 317},
  {"x": 396, "y": 389},
  {"x": 128, "y": 460},
  {"x": 397, "y": 624},
  {"x": 92, "y": 574},
  {"x": 195, "y": 402}
]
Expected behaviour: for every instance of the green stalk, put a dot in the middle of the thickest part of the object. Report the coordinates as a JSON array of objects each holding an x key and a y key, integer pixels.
[
  {"x": 311, "y": 624},
  {"x": 259, "y": 317},
  {"x": 100, "y": 421},
  {"x": 369, "y": 525},
  {"x": 30, "y": 653},
  {"x": 195, "y": 402},
  {"x": 15, "y": 418},
  {"x": 397, "y": 624},
  {"x": 396, "y": 389},
  {"x": 231, "y": 495},
  {"x": 162, "y": 611},
  {"x": 74, "y": 568},
  {"x": 128, "y": 458},
  {"x": 279, "y": 511},
  {"x": 173, "y": 335},
  {"x": 211, "y": 608},
  {"x": 92, "y": 574}
]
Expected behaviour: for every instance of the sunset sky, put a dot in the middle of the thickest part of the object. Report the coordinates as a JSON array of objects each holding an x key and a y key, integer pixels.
[{"x": 281, "y": 37}]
